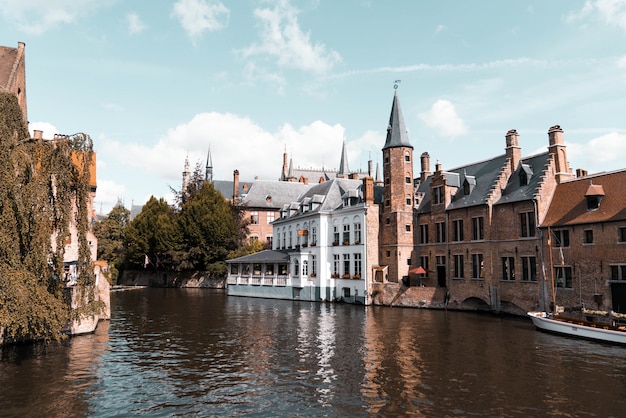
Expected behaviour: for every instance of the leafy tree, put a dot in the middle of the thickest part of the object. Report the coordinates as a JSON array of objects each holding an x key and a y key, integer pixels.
[
  {"x": 111, "y": 234},
  {"x": 153, "y": 233},
  {"x": 210, "y": 229}
]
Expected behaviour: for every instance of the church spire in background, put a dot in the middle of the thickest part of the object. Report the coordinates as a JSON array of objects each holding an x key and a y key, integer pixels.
[{"x": 208, "y": 174}]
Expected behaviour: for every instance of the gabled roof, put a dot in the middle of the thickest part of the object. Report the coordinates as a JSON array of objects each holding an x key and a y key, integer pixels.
[
  {"x": 273, "y": 194},
  {"x": 225, "y": 187},
  {"x": 482, "y": 177},
  {"x": 396, "y": 131},
  {"x": 569, "y": 204}
]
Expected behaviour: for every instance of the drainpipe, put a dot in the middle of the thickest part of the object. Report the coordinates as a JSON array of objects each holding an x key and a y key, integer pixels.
[{"x": 543, "y": 266}]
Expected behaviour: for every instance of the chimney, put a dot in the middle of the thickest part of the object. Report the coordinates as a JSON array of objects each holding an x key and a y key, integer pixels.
[
  {"x": 513, "y": 150},
  {"x": 438, "y": 167},
  {"x": 581, "y": 173},
  {"x": 235, "y": 185},
  {"x": 37, "y": 134},
  {"x": 370, "y": 168},
  {"x": 559, "y": 153},
  {"x": 353, "y": 176},
  {"x": 368, "y": 190},
  {"x": 425, "y": 160}
]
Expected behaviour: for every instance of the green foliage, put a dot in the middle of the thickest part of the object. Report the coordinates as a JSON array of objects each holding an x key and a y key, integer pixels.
[
  {"x": 153, "y": 232},
  {"x": 40, "y": 183},
  {"x": 111, "y": 234},
  {"x": 252, "y": 247}
]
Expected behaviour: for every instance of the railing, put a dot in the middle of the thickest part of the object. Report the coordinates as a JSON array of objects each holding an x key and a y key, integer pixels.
[
  {"x": 281, "y": 281},
  {"x": 256, "y": 280}
]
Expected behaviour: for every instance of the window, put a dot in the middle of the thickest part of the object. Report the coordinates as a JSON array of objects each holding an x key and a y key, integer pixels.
[
  {"x": 313, "y": 265},
  {"x": 424, "y": 263},
  {"x": 523, "y": 178},
  {"x": 388, "y": 254},
  {"x": 305, "y": 268},
  {"x": 388, "y": 221},
  {"x": 409, "y": 201},
  {"x": 438, "y": 195},
  {"x": 269, "y": 269},
  {"x": 346, "y": 234},
  {"x": 622, "y": 235},
  {"x": 269, "y": 241},
  {"x": 346, "y": 264},
  {"x": 618, "y": 272},
  {"x": 284, "y": 239},
  {"x": 529, "y": 269},
  {"x": 271, "y": 215},
  {"x": 440, "y": 229},
  {"x": 313, "y": 235},
  {"x": 563, "y": 276},
  {"x": 290, "y": 239},
  {"x": 407, "y": 227},
  {"x": 234, "y": 268},
  {"x": 561, "y": 238},
  {"x": 357, "y": 265},
  {"x": 478, "y": 267},
  {"x": 407, "y": 158},
  {"x": 282, "y": 269},
  {"x": 593, "y": 202},
  {"x": 387, "y": 203},
  {"x": 296, "y": 268},
  {"x": 336, "y": 265},
  {"x": 407, "y": 180},
  {"x": 424, "y": 234},
  {"x": 588, "y": 236},
  {"x": 477, "y": 229},
  {"x": 458, "y": 266},
  {"x": 387, "y": 180},
  {"x": 508, "y": 268},
  {"x": 335, "y": 235},
  {"x": 527, "y": 224},
  {"x": 254, "y": 217},
  {"x": 357, "y": 233},
  {"x": 457, "y": 226}
]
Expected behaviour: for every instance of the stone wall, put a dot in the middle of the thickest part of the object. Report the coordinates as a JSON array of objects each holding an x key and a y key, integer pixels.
[{"x": 158, "y": 278}]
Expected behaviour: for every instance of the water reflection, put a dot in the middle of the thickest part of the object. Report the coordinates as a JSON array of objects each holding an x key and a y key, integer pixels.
[{"x": 193, "y": 352}]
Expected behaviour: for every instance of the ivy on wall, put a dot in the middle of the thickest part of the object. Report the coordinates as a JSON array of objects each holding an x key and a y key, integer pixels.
[{"x": 44, "y": 186}]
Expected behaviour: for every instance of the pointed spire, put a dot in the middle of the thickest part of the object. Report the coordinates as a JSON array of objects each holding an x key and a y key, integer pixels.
[
  {"x": 396, "y": 131},
  {"x": 208, "y": 174},
  {"x": 377, "y": 180},
  {"x": 344, "y": 171}
]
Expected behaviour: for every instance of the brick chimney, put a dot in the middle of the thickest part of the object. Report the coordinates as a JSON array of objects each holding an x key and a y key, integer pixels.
[
  {"x": 513, "y": 150},
  {"x": 37, "y": 134},
  {"x": 559, "y": 153},
  {"x": 425, "y": 160},
  {"x": 235, "y": 185},
  {"x": 368, "y": 190}
]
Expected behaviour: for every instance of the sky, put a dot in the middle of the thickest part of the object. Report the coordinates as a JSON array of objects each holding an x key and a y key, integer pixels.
[{"x": 157, "y": 82}]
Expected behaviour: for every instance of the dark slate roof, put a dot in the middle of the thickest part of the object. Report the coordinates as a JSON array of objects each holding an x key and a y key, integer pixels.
[
  {"x": 225, "y": 187},
  {"x": 482, "y": 176},
  {"x": 569, "y": 204},
  {"x": 396, "y": 130},
  {"x": 265, "y": 256},
  {"x": 273, "y": 194},
  {"x": 534, "y": 168}
]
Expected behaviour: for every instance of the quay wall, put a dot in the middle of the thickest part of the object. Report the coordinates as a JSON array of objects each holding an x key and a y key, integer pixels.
[{"x": 156, "y": 278}]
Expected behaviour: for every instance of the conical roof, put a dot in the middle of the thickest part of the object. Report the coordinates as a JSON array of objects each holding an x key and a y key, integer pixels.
[
  {"x": 343, "y": 164},
  {"x": 397, "y": 135}
]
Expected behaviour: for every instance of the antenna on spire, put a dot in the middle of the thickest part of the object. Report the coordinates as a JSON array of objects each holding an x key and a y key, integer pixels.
[{"x": 395, "y": 84}]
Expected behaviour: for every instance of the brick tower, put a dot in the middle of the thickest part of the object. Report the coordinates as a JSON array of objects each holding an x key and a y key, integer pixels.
[{"x": 396, "y": 236}]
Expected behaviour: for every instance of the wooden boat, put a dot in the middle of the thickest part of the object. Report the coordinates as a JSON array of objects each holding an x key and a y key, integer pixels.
[{"x": 559, "y": 324}]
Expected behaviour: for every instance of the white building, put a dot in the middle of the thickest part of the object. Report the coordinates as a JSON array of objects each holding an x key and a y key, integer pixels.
[{"x": 319, "y": 250}]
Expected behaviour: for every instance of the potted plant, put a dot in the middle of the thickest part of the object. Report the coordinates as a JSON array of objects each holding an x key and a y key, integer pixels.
[{"x": 356, "y": 276}]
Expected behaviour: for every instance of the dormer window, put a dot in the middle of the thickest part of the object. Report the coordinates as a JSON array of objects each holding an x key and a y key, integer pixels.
[
  {"x": 594, "y": 195},
  {"x": 525, "y": 174},
  {"x": 468, "y": 185},
  {"x": 438, "y": 195}
]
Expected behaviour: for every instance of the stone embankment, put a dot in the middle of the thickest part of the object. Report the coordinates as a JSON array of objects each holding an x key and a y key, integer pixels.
[{"x": 155, "y": 278}]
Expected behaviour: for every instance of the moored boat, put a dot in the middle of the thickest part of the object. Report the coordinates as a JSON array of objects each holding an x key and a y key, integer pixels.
[{"x": 578, "y": 328}]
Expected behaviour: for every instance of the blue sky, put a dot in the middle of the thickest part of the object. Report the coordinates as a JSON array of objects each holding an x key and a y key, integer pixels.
[{"x": 154, "y": 82}]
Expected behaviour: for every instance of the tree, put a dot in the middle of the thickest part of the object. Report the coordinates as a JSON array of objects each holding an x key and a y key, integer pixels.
[
  {"x": 154, "y": 234},
  {"x": 111, "y": 234},
  {"x": 210, "y": 229}
]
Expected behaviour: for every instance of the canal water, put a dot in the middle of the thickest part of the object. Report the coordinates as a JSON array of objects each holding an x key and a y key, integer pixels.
[{"x": 195, "y": 352}]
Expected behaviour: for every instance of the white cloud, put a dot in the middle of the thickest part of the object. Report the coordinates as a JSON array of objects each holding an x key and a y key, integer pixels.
[
  {"x": 610, "y": 11},
  {"x": 283, "y": 39},
  {"x": 442, "y": 117},
  {"x": 49, "y": 130},
  {"x": 135, "y": 25},
  {"x": 38, "y": 16},
  {"x": 107, "y": 195},
  {"x": 198, "y": 16},
  {"x": 601, "y": 153},
  {"x": 440, "y": 28},
  {"x": 236, "y": 142}
]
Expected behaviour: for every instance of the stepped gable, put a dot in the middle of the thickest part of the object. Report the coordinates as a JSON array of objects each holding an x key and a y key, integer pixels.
[
  {"x": 525, "y": 182},
  {"x": 569, "y": 204}
]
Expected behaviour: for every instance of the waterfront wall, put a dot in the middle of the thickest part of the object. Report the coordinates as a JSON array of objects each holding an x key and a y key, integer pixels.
[{"x": 157, "y": 278}]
